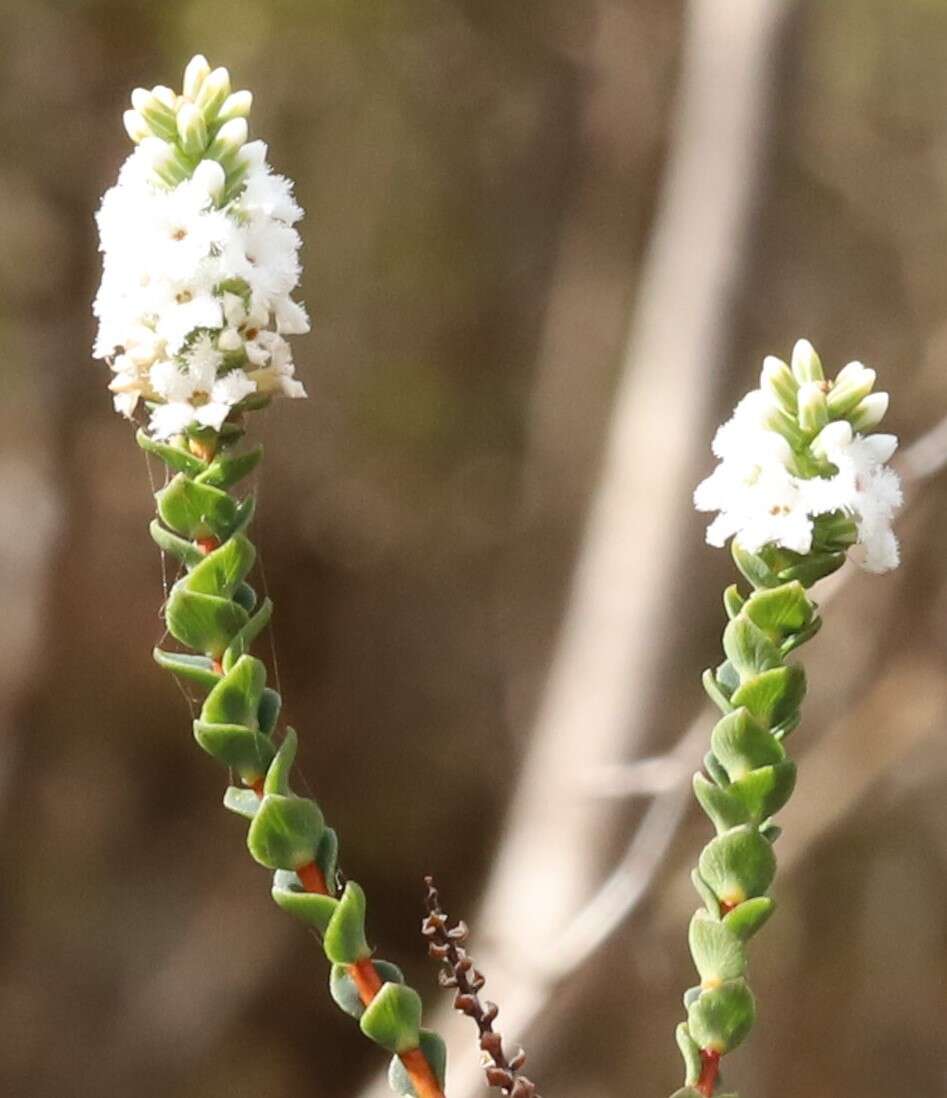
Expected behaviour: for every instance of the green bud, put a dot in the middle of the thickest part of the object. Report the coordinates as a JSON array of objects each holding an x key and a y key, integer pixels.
[
  {"x": 777, "y": 380},
  {"x": 230, "y": 139},
  {"x": 853, "y": 384},
  {"x": 235, "y": 106},
  {"x": 158, "y": 116},
  {"x": 195, "y": 74},
  {"x": 213, "y": 91},
  {"x": 135, "y": 126},
  {"x": 192, "y": 130},
  {"x": 806, "y": 364},
  {"x": 813, "y": 407},
  {"x": 869, "y": 412},
  {"x": 211, "y": 176}
]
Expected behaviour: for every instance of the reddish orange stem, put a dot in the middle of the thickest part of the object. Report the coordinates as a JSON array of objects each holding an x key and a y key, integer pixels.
[
  {"x": 207, "y": 545},
  {"x": 368, "y": 983},
  {"x": 257, "y": 787},
  {"x": 366, "y": 979},
  {"x": 312, "y": 879},
  {"x": 419, "y": 1072},
  {"x": 710, "y": 1067}
]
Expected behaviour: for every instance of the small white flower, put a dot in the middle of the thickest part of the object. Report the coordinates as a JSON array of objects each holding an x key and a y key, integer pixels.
[
  {"x": 765, "y": 490},
  {"x": 191, "y": 288}
]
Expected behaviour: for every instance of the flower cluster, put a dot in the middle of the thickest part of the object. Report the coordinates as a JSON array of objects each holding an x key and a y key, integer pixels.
[
  {"x": 200, "y": 260},
  {"x": 796, "y": 468}
]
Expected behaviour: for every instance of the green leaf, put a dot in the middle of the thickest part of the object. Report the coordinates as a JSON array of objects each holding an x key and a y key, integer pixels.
[
  {"x": 813, "y": 567},
  {"x": 285, "y": 832},
  {"x": 722, "y": 1017},
  {"x": 738, "y": 864},
  {"x": 344, "y": 990},
  {"x": 725, "y": 810},
  {"x": 196, "y": 510},
  {"x": 790, "y": 644},
  {"x": 435, "y": 1052},
  {"x": 180, "y": 548},
  {"x": 747, "y": 918},
  {"x": 714, "y": 692},
  {"x": 749, "y": 649},
  {"x": 268, "y": 712},
  {"x": 243, "y": 516},
  {"x": 771, "y": 832},
  {"x": 223, "y": 569},
  {"x": 277, "y": 777},
  {"x": 236, "y": 697},
  {"x": 181, "y": 460},
  {"x": 728, "y": 678},
  {"x": 345, "y": 941},
  {"x": 249, "y": 753},
  {"x": 741, "y": 744},
  {"x": 690, "y": 1052},
  {"x": 706, "y": 893},
  {"x": 247, "y": 634},
  {"x": 327, "y": 854},
  {"x": 393, "y": 1018},
  {"x": 244, "y": 802},
  {"x": 753, "y": 567},
  {"x": 245, "y": 596},
  {"x": 733, "y": 601},
  {"x": 717, "y": 951},
  {"x": 311, "y": 908},
  {"x": 226, "y": 471},
  {"x": 773, "y": 696},
  {"x": 779, "y": 611},
  {"x": 764, "y": 791},
  {"x": 197, "y": 669},
  {"x": 715, "y": 770},
  {"x": 203, "y": 622}
]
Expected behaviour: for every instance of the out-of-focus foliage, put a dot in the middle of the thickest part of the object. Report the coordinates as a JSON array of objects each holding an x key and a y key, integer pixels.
[{"x": 472, "y": 174}]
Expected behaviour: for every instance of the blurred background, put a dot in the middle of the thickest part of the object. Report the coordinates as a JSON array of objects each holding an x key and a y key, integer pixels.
[{"x": 547, "y": 244}]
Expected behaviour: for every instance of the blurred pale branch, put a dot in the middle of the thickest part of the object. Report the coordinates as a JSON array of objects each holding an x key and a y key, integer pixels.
[{"x": 608, "y": 652}]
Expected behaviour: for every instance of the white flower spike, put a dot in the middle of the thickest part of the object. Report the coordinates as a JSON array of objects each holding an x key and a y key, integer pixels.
[
  {"x": 200, "y": 259},
  {"x": 795, "y": 471}
]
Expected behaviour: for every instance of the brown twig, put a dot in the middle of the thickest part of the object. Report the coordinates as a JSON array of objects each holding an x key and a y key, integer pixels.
[{"x": 445, "y": 944}]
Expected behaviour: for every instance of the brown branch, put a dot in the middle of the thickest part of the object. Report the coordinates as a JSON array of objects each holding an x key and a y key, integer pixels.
[{"x": 445, "y": 945}]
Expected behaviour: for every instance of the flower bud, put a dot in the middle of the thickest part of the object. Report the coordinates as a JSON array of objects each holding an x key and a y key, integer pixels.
[
  {"x": 164, "y": 161},
  {"x": 213, "y": 92},
  {"x": 230, "y": 139},
  {"x": 776, "y": 379},
  {"x": 869, "y": 412},
  {"x": 195, "y": 74},
  {"x": 165, "y": 95},
  {"x": 235, "y": 106},
  {"x": 159, "y": 118},
  {"x": 252, "y": 155},
  {"x": 833, "y": 437},
  {"x": 813, "y": 407},
  {"x": 806, "y": 364},
  {"x": 210, "y": 176},
  {"x": 853, "y": 384},
  {"x": 192, "y": 129},
  {"x": 775, "y": 419},
  {"x": 135, "y": 126}
]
